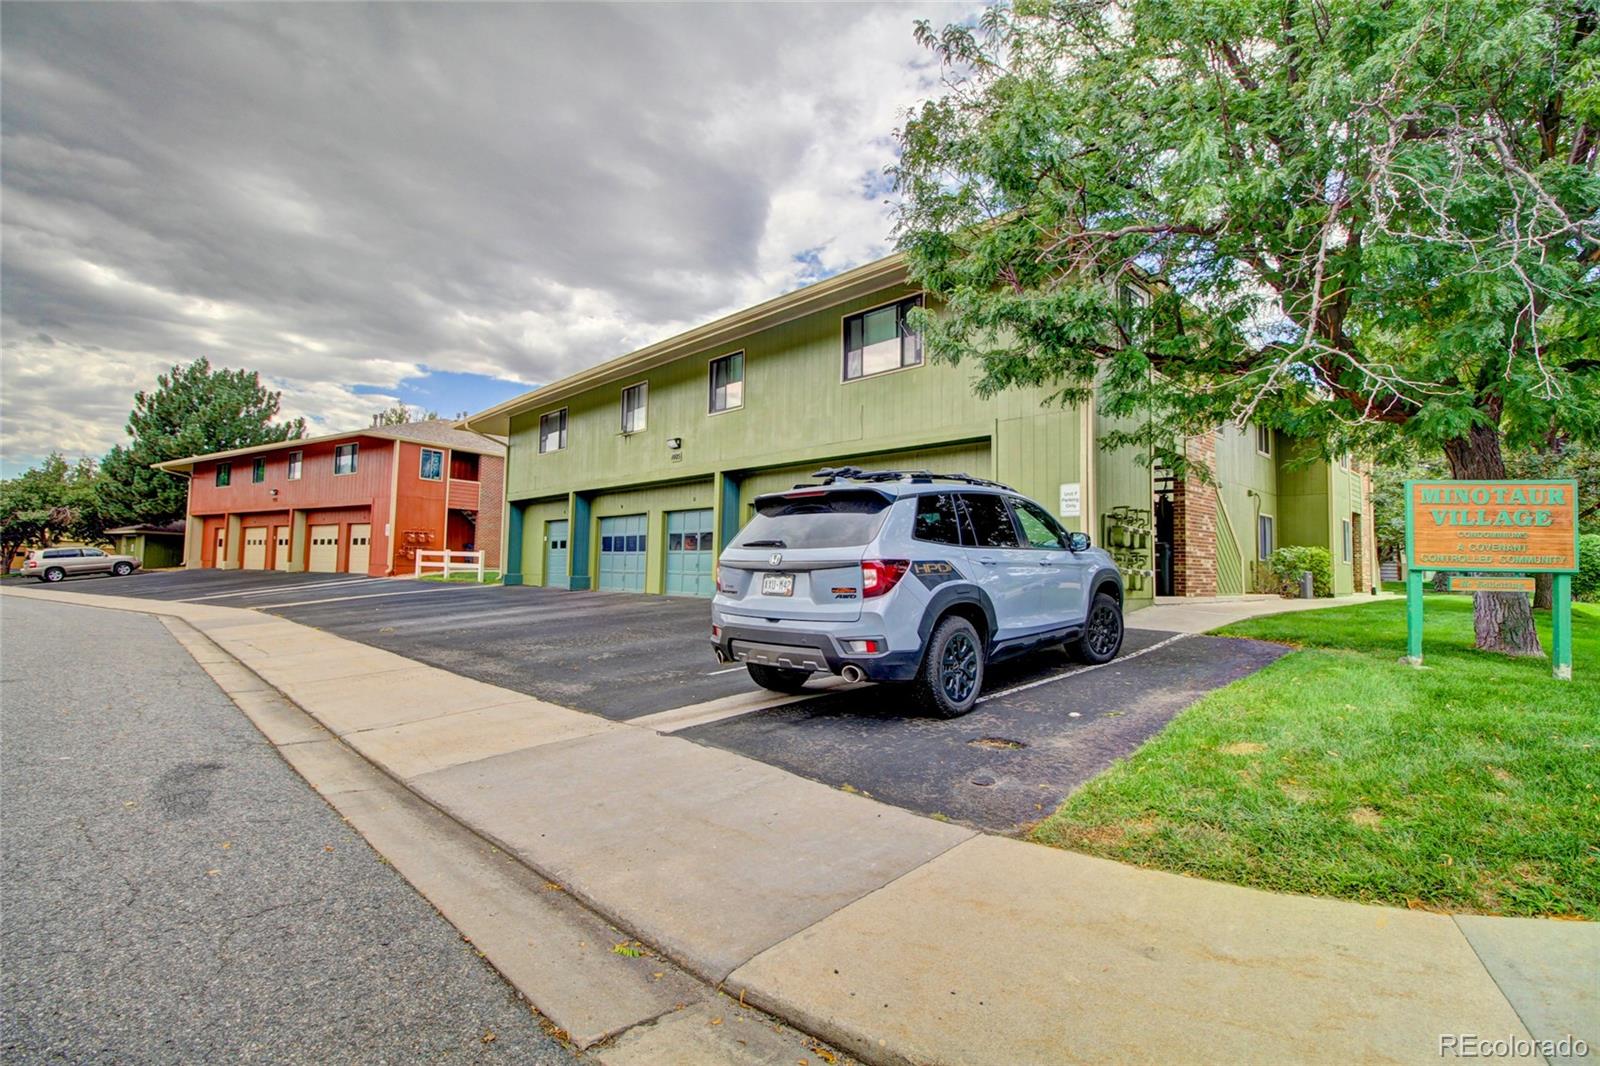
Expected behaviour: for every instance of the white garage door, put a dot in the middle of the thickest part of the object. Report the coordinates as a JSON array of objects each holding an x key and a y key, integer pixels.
[
  {"x": 280, "y": 557},
  {"x": 360, "y": 547},
  {"x": 323, "y": 557},
  {"x": 255, "y": 547}
]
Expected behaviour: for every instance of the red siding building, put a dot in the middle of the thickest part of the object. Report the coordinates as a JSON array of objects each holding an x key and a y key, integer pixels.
[{"x": 362, "y": 502}]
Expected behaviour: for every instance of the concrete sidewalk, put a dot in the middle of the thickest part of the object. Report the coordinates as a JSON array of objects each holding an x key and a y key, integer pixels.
[
  {"x": 903, "y": 939},
  {"x": 1201, "y": 614}
]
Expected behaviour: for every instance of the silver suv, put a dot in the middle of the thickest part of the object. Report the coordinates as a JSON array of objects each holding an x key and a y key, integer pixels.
[
  {"x": 58, "y": 564},
  {"x": 908, "y": 576}
]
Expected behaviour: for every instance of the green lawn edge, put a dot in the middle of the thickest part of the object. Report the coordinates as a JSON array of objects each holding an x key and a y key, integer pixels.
[{"x": 1469, "y": 785}]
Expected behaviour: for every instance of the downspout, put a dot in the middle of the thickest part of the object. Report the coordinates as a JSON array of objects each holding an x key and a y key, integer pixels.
[{"x": 389, "y": 532}]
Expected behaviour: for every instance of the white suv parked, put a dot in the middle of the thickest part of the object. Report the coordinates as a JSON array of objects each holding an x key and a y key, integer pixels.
[{"x": 908, "y": 576}]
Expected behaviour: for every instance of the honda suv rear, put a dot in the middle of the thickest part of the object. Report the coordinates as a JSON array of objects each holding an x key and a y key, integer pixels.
[{"x": 908, "y": 577}]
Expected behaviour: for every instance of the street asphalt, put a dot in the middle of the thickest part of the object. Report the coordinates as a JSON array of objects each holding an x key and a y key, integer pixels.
[
  {"x": 175, "y": 893},
  {"x": 1044, "y": 725}
]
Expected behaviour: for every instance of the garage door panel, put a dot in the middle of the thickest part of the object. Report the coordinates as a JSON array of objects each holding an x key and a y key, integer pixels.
[
  {"x": 323, "y": 555},
  {"x": 360, "y": 547},
  {"x": 623, "y": 547},
  {"x": 255, "y": 547},
  {"x": 689, "y": 554},
  {"x": 555, "y": 553},
  {"x": 280, "y": 556}
]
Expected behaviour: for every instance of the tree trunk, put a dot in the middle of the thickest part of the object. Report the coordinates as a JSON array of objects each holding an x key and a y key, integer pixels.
[
  {"x": 1544, "y": 592},
  {"x": 1502, "y": 621}
]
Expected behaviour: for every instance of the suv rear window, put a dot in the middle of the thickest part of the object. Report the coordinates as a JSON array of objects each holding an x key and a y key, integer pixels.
[{"x": 831, "y": 520}]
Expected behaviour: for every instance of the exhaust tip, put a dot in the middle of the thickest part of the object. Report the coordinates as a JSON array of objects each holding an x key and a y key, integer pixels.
[{"x": 852, "y": 673}]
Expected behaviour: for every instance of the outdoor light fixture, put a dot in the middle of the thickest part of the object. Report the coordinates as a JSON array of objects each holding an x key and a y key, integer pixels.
[
  {"x": 674, "y": 443},
  {"x": 274, "y": 494}
]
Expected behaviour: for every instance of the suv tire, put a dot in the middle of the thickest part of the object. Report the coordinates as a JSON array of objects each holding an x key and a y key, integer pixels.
[
  {"x": 778, "y": 678},
  {"x": 951, "y": 676},
  {"x": 54, "y": 573},
  {"x": 1102, "y": 632},
  {"x": 122, "y": 569}
]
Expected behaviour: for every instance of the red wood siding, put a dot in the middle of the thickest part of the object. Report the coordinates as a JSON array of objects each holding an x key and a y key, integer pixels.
[{"x": 317, "y": 485}]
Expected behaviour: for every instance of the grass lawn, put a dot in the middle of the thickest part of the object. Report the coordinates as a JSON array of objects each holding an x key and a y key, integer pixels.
[
  {"x": 1472, "y": 784},
  {"x": 490, "y": 577}
]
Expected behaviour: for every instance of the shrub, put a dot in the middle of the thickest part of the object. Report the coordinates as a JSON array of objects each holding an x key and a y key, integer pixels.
[
  {"x": 1287, "y": 564},
  {"x": 1586, "y": 582}
]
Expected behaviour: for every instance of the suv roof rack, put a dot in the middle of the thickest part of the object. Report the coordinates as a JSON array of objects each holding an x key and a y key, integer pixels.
[{"x": 831, "y": 474}]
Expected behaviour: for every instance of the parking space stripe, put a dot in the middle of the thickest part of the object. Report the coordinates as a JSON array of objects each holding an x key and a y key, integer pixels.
[
  {"x": 343, "y": 599},
  {"x": 281, "y": 588},
  {"x": 1082, "y": 669}
]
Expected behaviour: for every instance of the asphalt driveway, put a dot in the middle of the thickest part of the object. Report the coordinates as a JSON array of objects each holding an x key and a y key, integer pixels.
[{"x": 1044, "y": 725}]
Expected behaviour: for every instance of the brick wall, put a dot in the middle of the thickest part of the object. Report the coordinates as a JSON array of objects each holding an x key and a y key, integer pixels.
[
  {"x": 491, "y": 502},
  {"x": 1194, "y": 524}
]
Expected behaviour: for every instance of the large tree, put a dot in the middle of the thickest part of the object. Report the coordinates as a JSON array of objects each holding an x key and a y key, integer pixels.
[
  {"x": 50, "y": 502},
  {"x": 1375, "y": 226},
  {"x": 192, "y": 410}
]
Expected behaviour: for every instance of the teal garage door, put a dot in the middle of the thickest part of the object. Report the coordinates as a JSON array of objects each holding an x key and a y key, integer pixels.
[
  {"x": 689, "y": 553},
  {"x": 555, "y": 553},
  {"x": 622, "y": 548}
]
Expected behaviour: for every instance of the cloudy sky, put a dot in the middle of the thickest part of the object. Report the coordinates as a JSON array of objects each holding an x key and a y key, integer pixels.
[{"x": 444, "y": 203}]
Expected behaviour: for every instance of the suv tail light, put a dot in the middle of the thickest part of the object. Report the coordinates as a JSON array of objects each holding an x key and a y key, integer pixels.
[{"x": 878, "y": 576}]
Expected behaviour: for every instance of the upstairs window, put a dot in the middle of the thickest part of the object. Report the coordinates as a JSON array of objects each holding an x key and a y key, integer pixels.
[
  {"x": 634, "y": 398},
  {"x": 432, "y": 465},
  {"x": 1264, "y": 440},
  {"x": 727, "y": 382},
  {"x": 880, "y": 340},
  {"x": 224, "y": 474},
  {"x": 258, "y": 473},
  {"x": 294, "y": 465},
  {"x": 553, "y": 431},
  {"x": 344, "y": 459}
]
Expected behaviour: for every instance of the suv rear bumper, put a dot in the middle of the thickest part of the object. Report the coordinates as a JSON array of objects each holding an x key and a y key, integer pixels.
[{"x": 815, "y": 651}]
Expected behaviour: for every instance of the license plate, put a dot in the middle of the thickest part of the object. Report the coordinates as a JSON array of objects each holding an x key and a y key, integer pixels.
[{"x": 777, "y": 584}]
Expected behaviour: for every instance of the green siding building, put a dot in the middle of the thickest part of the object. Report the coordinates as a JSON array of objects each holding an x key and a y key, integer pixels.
[{"x": 633, "y": 474}]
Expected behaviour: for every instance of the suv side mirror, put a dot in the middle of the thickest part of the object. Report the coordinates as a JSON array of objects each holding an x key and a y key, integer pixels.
[{"x": 1078, "y": 542}]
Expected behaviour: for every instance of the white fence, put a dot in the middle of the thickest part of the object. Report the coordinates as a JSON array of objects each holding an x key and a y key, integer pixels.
[{"x": 448, "y": 562}]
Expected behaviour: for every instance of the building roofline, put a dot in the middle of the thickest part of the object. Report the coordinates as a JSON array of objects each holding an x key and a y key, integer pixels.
[
  {"x": 838, "y": 289},
  {"x": 488, "y": 446}
]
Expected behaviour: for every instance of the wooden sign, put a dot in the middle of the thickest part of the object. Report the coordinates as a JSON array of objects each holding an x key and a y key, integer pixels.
[
  {"x": 1458, "y": 583},
  {"x": 1524, "y": 526}
]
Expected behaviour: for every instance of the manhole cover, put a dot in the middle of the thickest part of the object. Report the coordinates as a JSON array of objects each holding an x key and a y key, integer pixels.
[
  {"x": 983, "y": 780},
  {"x": 997, "y": 743}
]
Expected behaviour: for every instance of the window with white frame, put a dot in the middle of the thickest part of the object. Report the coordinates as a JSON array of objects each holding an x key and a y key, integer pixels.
[
  {"x": 1264, "y": 440},
  {"x": 1264, "y": 536},
  {"x": 727, "y": 382},
  {"x": 881, "y": 340},
  {"x": 634, "y": 399},
  {"x": 344, "y": 459},
  {"x": 1345, "y": 527},
  {"x": 553, "y": 431},
  {"x": 431, "y": 465},
  {"x": 295, "y": 459}
]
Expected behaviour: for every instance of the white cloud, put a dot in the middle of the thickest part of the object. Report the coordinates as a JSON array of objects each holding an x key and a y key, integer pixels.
[{"x": 343, "y": 195}]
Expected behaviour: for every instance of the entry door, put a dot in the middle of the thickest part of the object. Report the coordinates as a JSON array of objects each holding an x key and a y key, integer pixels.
[
  {"x": 360, "y": 547},
  {"x": 280, "y": 555},
  {"x": 323, "y": 558},
  {"x": 622, "y": 553},
  {"x": 255, "y": 547},
  {"x": 689, "y": 553},
  {"x": 555, "y": 553}
]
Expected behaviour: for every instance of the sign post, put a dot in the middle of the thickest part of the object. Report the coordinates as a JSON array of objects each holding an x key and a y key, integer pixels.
[{"x": 1493, "y": 527}]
